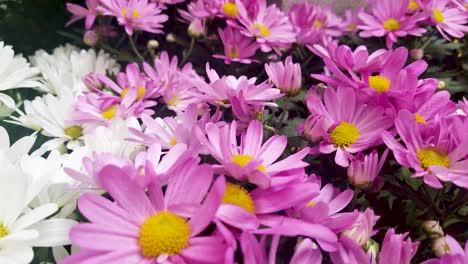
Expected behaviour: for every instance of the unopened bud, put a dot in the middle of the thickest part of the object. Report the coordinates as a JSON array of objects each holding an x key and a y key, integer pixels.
[
  {"x": 416, "y": 54},
  {"x": 197, "y": 28},
  {"x": 441, "y": 85},
  {"x": 90, "y": 38},
  {"x": 170, "y": 38},
  {"x": 432, "y": 228},
  {"x": 152, "y": 44}
]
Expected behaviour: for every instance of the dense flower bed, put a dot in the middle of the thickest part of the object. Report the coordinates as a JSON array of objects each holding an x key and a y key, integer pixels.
[{"x": 220, "y": 131}]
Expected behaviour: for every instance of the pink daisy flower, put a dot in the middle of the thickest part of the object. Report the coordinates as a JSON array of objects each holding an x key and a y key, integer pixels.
[
  {"x": 439, "y": 157},
  {"x": 154, "y": 227},
  {"x": 307, "y": 252},
  {"x": 363, "y": 228},
  {"x": 397, "y": 248},
  {"x": 449, "y": 20},
  {"x": 237, "y": 47},
  {"x": 364, "y": 169},
  {"x": 269, "y": 25},
  {"x": 135, "y": 14},
  {"x": 285, "y": 76},
  {"x": 351, "y": 127},
  {"x": 89, "y": 13},
  {"x": 463, "y": 106},
  {"x": 252, "y": 160},
  {"x": 315, "y": 24},
  {"x": 389, "y": 19},
  {"x": 352, "y": 19}
]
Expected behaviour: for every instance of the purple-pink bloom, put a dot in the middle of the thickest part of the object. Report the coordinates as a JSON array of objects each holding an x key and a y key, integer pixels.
[
  {"x": 307, "y": 252},
  {"x": 389, "y": 18},
  {"x": 363, "y": 228},
  {"x": 237, "y": 47},
  {"x": 364, "y": 169},
  {"x": 129, "y": 230},
  {"x": 135, "y": 14},
  {"x": 285, "y": 76},
  {"x": 89, "y": 13},
  {"x": 350, "y": 253},
  {"x": 397, "y": 248},
  {"x": 448, "y": 19}
]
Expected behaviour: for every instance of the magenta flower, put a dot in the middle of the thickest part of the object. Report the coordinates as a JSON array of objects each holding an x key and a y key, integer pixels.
[
  {"x": 307, "y": 252},
  {"x": 428, "y": 107},
  {"x": 451, "y": 253},
  {"x": 363, "y": 228},
  {"x": 154, "y": 227},
  {"x": 89, "y": 13},
  {"x": 315, "y": 24},
  {"x": 349, "y": 252},
  {"x": 93, "y": 110},
  {"x": 364, "y": 169},
  {"x": 397, "y": 248},
  {"x": 463, "y": 106},
  {"x": 440, "y": 157},
  {"x": 252, "y": 160},
  {"x": 448, "y": 19},
  {"x": 351, "y": 127},
  {"x": 286, "y": 76},
  {"x": 352, "y": 20},
  {"x": 135, "y": 14},
  {"x": 268, "y": 24},
  {"x": 237, "y": 47},
  {"x": 389, "y": 19}
]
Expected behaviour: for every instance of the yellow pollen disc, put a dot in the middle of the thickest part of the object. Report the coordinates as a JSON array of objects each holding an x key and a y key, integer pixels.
[
  {"x": 237, "y": 195},
  {"x": 446, "y": 248},
  {"x": 379, "y": 83},
  {"x": 466, "y": 6},
  {"x": 420, "y": 119},
  {"x": 163, "y": 233},
  {"x": 317, "y": 23},
  {"x": 234, "y": 53},
  {"x": 438, "y": 16},
  {"x": 174, "y": 101},
  {"x": 230, "y": 9},
  {"x": 392, "y": 24},
  {"x": 109, "y": 113},
  {"x": 123, "y": 11},
  {"x": 136, "y": 14},
  {"x": 173, "y": 141},
  {"x": 243, "y": 160},
  {"x": 352, "y": 26},
  {"x": 264, "y": 32},
  {"x": 3, "y": 230},
  {"x": 344, "y": 134},
  {"x": 74, "y": 131},
  {"x": 413, "y": 5},
  {"x": 430, "y": 157},
  {"x": 141, "y": 92},
  {"x": 311, "y": 204}
]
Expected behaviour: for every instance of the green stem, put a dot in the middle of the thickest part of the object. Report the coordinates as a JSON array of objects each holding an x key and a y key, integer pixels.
[
  {"x": 283, "y": 114},
  {"x": 135, "y": 49},
  {"x": 432, "y": 205},
  {"x": 189, "y": 52}
]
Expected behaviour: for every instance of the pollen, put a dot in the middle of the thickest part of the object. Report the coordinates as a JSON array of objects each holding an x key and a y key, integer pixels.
[
  {"x": 311, "y": 204},
  {"x": 379, "y": 83},
  {"x": 344, "y": 134},
  {"x": 141, "y": 92},
  {"x": 237, "y": 195},
  {"x": 438, "y": 16},
  {"x": 243, "y": 160},
  {"x": 173, "y": 141},
  {"x": 74, "y": 131},
  {"x": 230, "y": 9},
  {"x": 317, "y": 23},
  {"x": 352, "y": 26},
  {"x": 420, "y": 119},
  {"x": 430, "y": 157},
  {"x": 123, "y": 11},
  {"x": 136, "y": 14},
  {"x": 413, "y": 5},
  {"x": 392, "y": 24},
  {"x": 163, "y": 233},
  {"x": 263, "y": 30},
  {"x": 109, "y": 112},
  {"x": 3, "y": 230},
  {"x": 234, "y": 53}
]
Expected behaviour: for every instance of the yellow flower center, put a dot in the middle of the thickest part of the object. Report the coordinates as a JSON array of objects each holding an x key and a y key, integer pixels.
[
  {"x": 466, "y": 6},
  {"x": 420, "y": 119},
  {"x": 141, "y": 92},
  {"x": 230, "y": 9},
  {"x": 438, "y": 16},
  {"x": 175, "y": 100},
  {"x": 317, "y": 23},
  {"x": 264, "y": 32},
  {"x": 446, "y": 248},
  {"x": 3, "y": 230},
  {"x": 352, "y": 26},
  {"x": 392, "y": 24},
  {"x": 311, "y": 204},
  {"x": 136, "y": 14},
  {"x": 123, "y": 11},
  {"x": 163, "y": 233},
  {"x": 413, "y": 5},
  {"x": 234, "y": 53},
  {"x": 379, "y": 83},
  {"x": 74, "y": 131},
  {"x": 237, "y": 195},
  {"x": 344, "y": 134},
  {"x": 243, "y": 160},
  {"x": 430, "y": 157},
  {"x": 173, "y": 141},
  {"x": 109, "y": 112}
]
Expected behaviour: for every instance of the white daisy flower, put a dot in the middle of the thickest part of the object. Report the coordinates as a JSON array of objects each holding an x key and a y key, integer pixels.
[
  {"x": 15, "y": 72},
  {"x": 22, "y": 177},
  {"x": 65, "y": 68}
]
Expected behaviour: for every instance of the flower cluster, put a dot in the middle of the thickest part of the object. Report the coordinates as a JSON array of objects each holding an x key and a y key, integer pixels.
[{"x": 174, "y": 157}]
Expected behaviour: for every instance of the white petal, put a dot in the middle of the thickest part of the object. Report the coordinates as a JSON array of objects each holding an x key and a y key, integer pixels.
[
  {"x": 53, "y": 232},
  {"x": 34, "y": 216},
  {"x": 16, "y": 254}
]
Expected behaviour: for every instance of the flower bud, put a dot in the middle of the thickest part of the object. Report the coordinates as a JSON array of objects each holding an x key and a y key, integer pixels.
[
  {"x": 152, "y": 44},
  {"x": 441, "y": 85},
  {"x": 92, "y": 81},
  {"x": 364, "y": 169},
  {"x": 440, "y": 246},
  {"x": 416, "y": 54},
  {"x": 197, "y": 28},
  {"x": 432, "y": 228},
  {"x": 90, "y": 38},
  {"x": 372, "y": 248},
  {"x": 313, "y": 129},
  {"x": 170, "y": 38}
]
